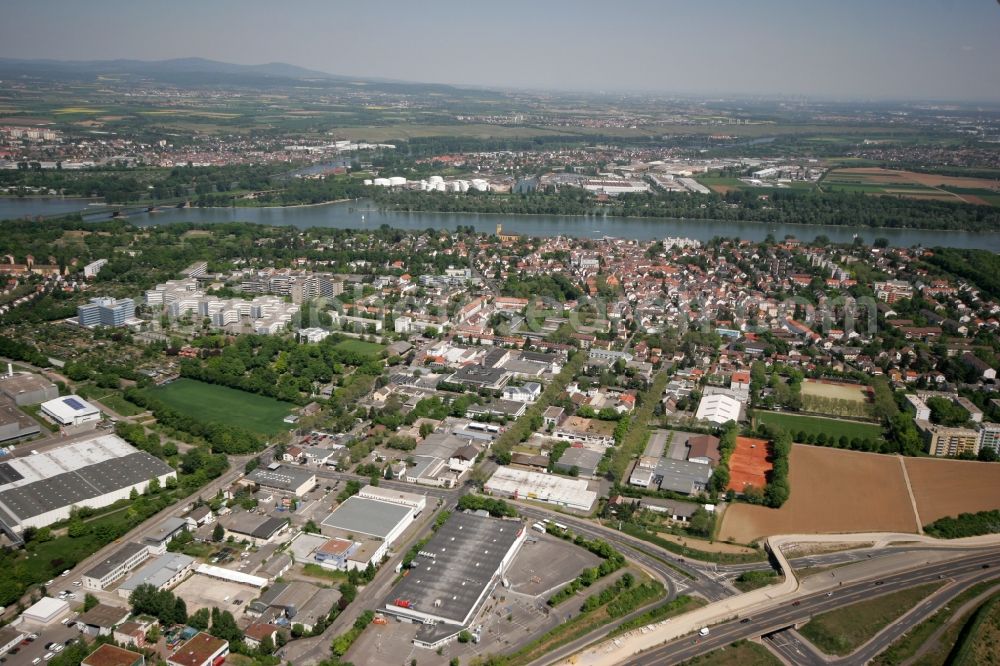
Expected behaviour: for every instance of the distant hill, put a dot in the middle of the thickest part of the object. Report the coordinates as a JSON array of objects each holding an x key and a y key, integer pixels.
[
  {"x": 154, "y": 67},
  {"x": 201, "y": 71}
]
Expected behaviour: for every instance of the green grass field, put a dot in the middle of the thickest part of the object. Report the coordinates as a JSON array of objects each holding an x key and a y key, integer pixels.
[
  {"x": 795, "y": 423},
  {"x": 842, "y": 631},
  {"x": 360, "y": 347},
  {"x": 221, "y": 404}
]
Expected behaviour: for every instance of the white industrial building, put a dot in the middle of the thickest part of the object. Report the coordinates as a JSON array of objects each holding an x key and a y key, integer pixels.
[
  {"x": 373, "y": 524},
  {"x": 41, "y": 489},
  {"x": 719, "y": 409},
  {"x": 46, "y": 611},
  {"x": 558, "y": 490},
  {"x": 70, "y": 410}
]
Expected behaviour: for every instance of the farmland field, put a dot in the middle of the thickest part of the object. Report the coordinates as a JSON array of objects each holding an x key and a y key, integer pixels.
[
  {"x": 796, "y": 423},
  {"x": 910, "y": 184},
  {"x": 220, "y": 404},
  {"x": 950, "y": 487},
  {"x": 360, "y": 347},
  {"x": 833, "y": 491}
]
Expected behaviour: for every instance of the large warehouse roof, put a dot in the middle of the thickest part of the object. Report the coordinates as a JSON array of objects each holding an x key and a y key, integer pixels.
[
  {"x": 69, "y": 407},
  {"x": 719, "y": 409},
  {"x": 359, "y": 515},
  {"x": 72, "y": 474},
  {"x": 454, "y": 569},
  {"x": 546, "y": 487}
]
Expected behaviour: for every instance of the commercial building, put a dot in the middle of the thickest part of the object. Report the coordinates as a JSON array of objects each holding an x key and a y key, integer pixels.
[
  {"x": 454, "y": 573},
  {"x": 283, "y": 478},
  {"x": 410, "y": 500},
  {"x": 945, "y": 441},
  {"x": 582, "y": 460},
  {"x": 163, "y": 573},
  {"x": 373, "y": 524},
  {"x": 70, "y": 410},
  {"x": 719, "y": 409},
  {"x": 679, "y": 476},
  {"x": 119, "y": 563},
  {"x": 112, "y": 655},
  {"x": 587, "y": 431},
  {"x": 40, "y": 489},
  {"x": 101, "y": 619},
  {"x": 253, "y": 528},
  {"x": 15, "y": 424},
  {"x": 104, "y": 311},
  {"x": 516, "y": 483},
  {"x": 27, "y": 389},
  {"x": 45, "y": 611},
  {"x": 164, "y": 533},
  {"x": 202, "y": 650}
]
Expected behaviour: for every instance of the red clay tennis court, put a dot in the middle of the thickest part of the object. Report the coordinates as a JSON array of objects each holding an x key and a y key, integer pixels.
[{"x": 748, "y": 464}]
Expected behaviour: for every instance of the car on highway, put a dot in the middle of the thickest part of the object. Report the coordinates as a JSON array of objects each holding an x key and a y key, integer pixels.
[
  {"x": 829, "y": 594},
  {"x": 797, "y": 603},
  {"x": 880, "y": 582},
  {"x": 986, "y": 566},
  {"x": 745, "y": 620},
  {"x": 703, "y": 631}
]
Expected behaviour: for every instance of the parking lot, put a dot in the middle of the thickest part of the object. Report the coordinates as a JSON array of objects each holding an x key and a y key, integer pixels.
[
  {"x": 531, "y": 571},
  {"x": 203, "y": 592},
  {"x": 27, "y": 653}
]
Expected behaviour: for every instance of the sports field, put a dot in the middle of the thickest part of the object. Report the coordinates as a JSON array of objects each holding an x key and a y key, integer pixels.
[
  {"x": 360, "y": 347},
  {"x": 220, "y": 404},
  {"x": 835, "y": 390},
  {"x": 749, "y": 464},
  {"x": 815, "y": 425}
]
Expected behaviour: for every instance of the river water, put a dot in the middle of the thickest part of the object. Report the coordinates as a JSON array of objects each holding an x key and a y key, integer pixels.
[{"x": 360, "y": 215}]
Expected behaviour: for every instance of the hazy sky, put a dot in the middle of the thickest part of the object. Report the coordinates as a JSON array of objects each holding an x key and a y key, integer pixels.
[{"x": 912, "y": 49}]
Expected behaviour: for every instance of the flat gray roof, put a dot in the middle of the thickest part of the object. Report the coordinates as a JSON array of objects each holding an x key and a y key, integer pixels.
[
  {"x": 80, "y": 485},
  {"x": 682, "y": 476},
  {"x": 159, "y": 571},
  {"x": 453, "y": 569},
  {"x": 284, "y": 477},
  {"x": 359, "y": 515},
  {"x": 117, "y": 558}
]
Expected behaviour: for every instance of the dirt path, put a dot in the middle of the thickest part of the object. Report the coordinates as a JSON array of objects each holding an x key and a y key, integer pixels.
[{"x": 913, "y": 499}]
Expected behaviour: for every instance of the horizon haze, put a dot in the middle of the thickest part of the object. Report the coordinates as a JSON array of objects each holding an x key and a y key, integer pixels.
[{"x": 885, "y": 50}]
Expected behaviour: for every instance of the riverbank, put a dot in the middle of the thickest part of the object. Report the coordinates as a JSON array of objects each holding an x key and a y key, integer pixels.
[{"x": 361, "y": 214}]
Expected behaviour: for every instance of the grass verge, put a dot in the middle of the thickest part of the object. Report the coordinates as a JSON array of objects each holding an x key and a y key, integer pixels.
[
  {"x": 842, "y": 631},
  {"x": 908, "y": 644},
  {"x": 740, "y": 653}
]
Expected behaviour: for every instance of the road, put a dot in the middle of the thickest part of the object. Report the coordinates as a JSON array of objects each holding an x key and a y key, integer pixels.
[{"x": 968, "y": 569}]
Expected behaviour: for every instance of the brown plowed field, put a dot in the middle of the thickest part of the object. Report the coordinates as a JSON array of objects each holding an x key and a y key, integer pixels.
[
  {"x": 833, "y": 491},
  {"x": 950, "y": 487},
  {"x": 875, "y": 175}
]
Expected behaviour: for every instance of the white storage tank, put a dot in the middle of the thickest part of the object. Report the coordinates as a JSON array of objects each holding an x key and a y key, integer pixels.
[
  {"x": 367, "y": 181},
  {"x": 397, "y": 181},
  {"x": 381, "y": 182},
  {"x": 435, "y": 180}
]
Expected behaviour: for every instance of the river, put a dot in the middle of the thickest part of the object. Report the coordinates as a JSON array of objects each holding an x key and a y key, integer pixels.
[{"x": 359, "y": 215}]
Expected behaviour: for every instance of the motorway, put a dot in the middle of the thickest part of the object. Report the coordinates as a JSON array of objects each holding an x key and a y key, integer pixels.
[{"x": 968, "y": 569}]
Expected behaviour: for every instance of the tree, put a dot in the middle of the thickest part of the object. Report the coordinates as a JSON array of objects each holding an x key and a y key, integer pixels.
[
  {"x": 218, "y": 532},
  {"x": 464, "y": 636},
  {"x": 89, "y": 601},
  {"x": 199, "y": 619}
]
